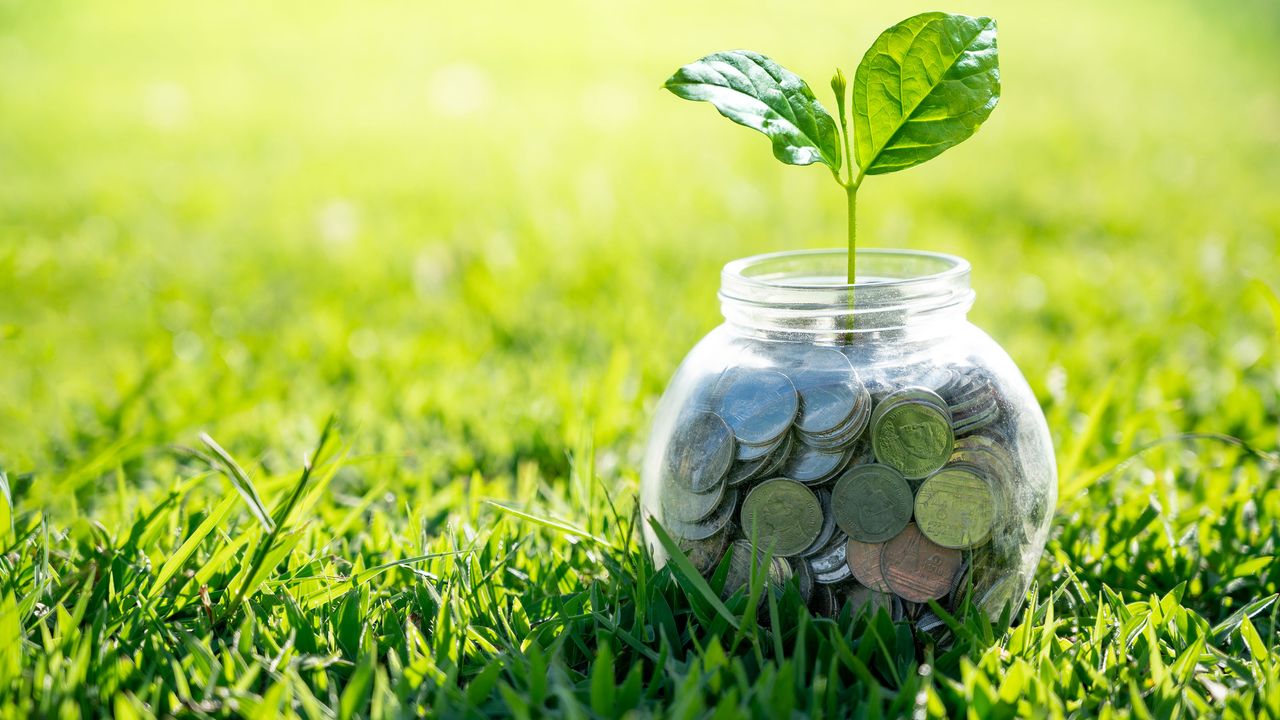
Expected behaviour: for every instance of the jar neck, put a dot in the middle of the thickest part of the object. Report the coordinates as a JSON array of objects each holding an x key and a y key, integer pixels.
[{"x": 804, "y": 294}]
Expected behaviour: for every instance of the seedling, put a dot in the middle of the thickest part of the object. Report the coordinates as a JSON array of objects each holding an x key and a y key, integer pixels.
[{"x": 924, "y": 85}]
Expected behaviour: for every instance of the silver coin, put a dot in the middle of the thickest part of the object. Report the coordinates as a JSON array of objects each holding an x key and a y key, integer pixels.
[
  {"x": 872, "y": 503},
  {"x": 929, "y": 623},
  {"x": 849, "y": 435},
  {"x": 700, "y": 452},
  {"x": 741, "y": 557},
  {"x": 779, "y": 456},
  {"x": 943, "y": 381},
  {"x": 705, "y": 554},
  {"x": 828, "y": 524},
  {"x": 828, "y": 388},
  {"x": 964, "y": 583},
  {"x": 972, "y": 383},
  {"x": 814, "y": 365},
  {"x": 877, "y": 386},
  {"x": 974, "y": 404},
  {"x": 848, "y": 432},
  {"x": 861, "y": 453},
  {"x": 831, "y": 565},
  {"x": 982, "y": 405},
  {"x": 826, "y": 407},
  {"x": 779, "y": 571},
  {"x": 912, "y": 436},
  {"x": 999, "y": 594},
  {"x": 810, "y": 465},
  {"x": 742, "y": 473},
  {"x": 956, "y": 389},
  {"x": 907, "y": 610},
  {"x": 690, "y": 507},
  {"x": 782, "y": 516},
  {"x": 974, "y": 418},
  {"x": 803, "y": 574},
  {"x": 822, "y": 601},
  {"x": 975, "y": 423},
  {"x": 748, "y": 453},
  {"x": 759, "y": 405},
  {"x": 707, "y": 526}
]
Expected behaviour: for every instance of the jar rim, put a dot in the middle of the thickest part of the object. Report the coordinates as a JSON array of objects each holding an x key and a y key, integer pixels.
[
  {"x": 806, "y": 292},
  {"x": 951, "y": 267}
]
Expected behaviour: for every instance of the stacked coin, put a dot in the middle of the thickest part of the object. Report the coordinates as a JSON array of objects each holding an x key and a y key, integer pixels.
[
  {"x": 880, "y": 492},
  {"x": 696, "y": 500},
  {"x": 759, "y": 407},
  {"x": 911, "y": 432},
  {"x": 835, "y": 405},
  {"x": 972, "y": 400}
]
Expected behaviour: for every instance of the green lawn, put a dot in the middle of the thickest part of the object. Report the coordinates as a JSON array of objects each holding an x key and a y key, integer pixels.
[{"x": 481, "y": 237}]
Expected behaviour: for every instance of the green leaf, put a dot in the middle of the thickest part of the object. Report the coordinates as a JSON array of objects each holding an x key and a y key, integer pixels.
[
  {"x": 924, "y": 85},
  {"x": 756, "y": 92}
]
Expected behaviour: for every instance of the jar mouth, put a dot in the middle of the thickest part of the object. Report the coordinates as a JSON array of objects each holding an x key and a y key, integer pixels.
[
  {"x": 807, "y": 291},
  {"x": 794, "y": 269}
]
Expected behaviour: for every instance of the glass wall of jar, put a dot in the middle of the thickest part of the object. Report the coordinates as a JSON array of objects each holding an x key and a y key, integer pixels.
[{"x": 867, "y": 439}]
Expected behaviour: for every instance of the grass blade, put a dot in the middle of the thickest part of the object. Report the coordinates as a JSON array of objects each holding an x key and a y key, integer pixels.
[
  {"x": 558, "y": 525},
  {"x": 240, "y": 481},
  {"x": 690, "y": 575}
]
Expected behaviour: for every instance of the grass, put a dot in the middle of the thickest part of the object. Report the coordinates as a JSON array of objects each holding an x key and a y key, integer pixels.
[{"x": 482, "y": 239}]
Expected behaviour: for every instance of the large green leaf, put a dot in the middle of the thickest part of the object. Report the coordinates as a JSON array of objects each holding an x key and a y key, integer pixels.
[
  {"x": 925, "y": 85},
  {"x": 752, "y": 90}
]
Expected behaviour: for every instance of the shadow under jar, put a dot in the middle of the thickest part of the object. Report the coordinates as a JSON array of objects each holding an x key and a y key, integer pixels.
[{"x": 868, "y": 441}]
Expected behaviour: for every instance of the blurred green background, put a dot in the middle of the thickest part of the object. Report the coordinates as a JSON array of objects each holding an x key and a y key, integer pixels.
[
  {"x": 473, "y": 229},
  {"x": 482, "y": 236}
]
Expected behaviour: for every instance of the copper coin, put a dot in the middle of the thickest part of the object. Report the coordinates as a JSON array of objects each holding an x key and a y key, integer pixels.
[
  {"x": 918, "y": 569},
  {"x": 864, "y": 562}
]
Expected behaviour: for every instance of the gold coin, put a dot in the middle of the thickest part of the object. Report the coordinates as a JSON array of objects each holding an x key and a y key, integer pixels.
[
  {"x": 913, "y": 437},
  {"x": 872, "y": 503},
  {"x": 956, "y": 508},
  {"x": 782, "y": 516}
]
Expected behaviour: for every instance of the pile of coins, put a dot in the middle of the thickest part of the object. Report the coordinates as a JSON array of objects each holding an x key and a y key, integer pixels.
[{"x": 883, "y": 493}]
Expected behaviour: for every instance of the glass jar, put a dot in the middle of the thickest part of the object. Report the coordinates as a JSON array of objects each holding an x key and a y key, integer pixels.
[{"x": 865, "y": 440}]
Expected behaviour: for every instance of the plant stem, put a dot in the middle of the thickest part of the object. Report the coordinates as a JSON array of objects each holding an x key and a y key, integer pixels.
[
  {"x": 850, "y": 185},
  {"x": 851, "y": 196}
]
